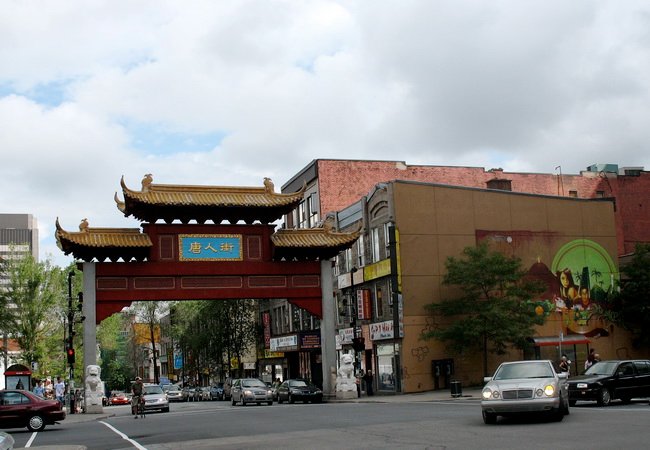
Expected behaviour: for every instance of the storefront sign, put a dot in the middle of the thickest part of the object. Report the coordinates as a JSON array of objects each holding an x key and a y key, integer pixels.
[
  {"x": 377, "y": 270},
  {"x": 364, "y": 304},
  {"x": 284, "y": 343},
  {"x": 269, "y": 354},
  {"x": 310, "y": 340},
  {"x": 381, "y": 330},
  {"x": 266, "y": 322},
  {"x": 346, "y": 335},
  {"x": 210, "y": 247}
]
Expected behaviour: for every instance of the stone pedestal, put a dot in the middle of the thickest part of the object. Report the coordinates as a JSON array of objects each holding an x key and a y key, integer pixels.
[
  {"x": 346, "y": 395},
  {"x": 94, "y": 409}
]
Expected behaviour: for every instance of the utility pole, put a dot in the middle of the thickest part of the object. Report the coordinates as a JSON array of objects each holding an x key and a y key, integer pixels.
[{"x": 69, "y": 342}]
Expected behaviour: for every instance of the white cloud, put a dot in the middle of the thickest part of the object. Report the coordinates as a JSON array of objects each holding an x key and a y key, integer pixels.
[{"x": 525, "y": 86}]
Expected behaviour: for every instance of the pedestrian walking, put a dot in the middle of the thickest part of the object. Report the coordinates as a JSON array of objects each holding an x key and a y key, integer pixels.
[{"x": 59, "y": 390}]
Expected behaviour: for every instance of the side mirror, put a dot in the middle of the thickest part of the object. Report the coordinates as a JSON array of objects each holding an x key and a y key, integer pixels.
[{"x": 486, "y": 380}]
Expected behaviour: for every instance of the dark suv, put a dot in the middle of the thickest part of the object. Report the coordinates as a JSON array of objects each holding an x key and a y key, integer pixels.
[{"x": 609, "y": 380}]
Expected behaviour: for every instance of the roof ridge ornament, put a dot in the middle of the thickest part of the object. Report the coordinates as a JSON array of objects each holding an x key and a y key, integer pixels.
[
  {"x": 269, "y": 187},
  {"x": 83, "y": 226},
  {"x": 146, "y": 182}
]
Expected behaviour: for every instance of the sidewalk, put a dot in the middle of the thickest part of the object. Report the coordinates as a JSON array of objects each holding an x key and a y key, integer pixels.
[{"x": 441, "y": 395}]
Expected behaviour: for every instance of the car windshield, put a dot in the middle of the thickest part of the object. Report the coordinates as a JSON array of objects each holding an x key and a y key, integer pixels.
[
  {"x": 524, "y": 370},
  {"x": 298, "y": 383},
  {"x": 174, "y": 387},
  {"x": 148, "y": 390},
  {"x": 602, "y": 368},
  {"x": 253, "y": 383}
]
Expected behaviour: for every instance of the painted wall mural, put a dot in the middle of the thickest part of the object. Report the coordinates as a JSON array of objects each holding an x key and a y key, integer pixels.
[{"x": 581, "y": 277}]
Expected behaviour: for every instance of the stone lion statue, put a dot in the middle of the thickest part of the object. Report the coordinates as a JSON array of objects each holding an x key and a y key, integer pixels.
[
  {"x": 94, "y": 385},
  {"x": 345, "y": 381}
]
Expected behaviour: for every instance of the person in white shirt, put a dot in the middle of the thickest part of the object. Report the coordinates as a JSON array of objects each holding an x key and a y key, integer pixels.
[{"x": 59, "y": 390}]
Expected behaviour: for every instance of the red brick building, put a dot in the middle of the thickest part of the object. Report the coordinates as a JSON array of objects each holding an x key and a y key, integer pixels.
[{"x": 335, "y": 184}]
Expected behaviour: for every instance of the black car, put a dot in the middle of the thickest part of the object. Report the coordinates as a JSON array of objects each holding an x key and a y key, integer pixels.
[
  {"x": 609, "y": 380},
  {"x": 20, "y": 408},
  {"x": 298, "y": 390}
]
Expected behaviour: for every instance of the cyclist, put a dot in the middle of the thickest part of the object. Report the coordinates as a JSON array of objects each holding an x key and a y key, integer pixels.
[{"x": 136, "y": 390}]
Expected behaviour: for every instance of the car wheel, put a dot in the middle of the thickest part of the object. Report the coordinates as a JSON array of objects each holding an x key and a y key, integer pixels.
[
  {"x": 604, "y": 397},
  {"x": 36, "y": 423},
  {"x": 270, "y": 403},
  {"x": 232, "y": 401},
  {"x": 291, "y": 400},
  {"x": 489, "y": 418},
  {"x": 242, "y": 402},
  {"x": 166, "y": 410},
  {"x": 572, "y": 402},
  {"x": 280, "y": 400}
]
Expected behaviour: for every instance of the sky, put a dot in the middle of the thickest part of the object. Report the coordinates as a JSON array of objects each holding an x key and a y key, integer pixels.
[{"x": 225, "y": 93}]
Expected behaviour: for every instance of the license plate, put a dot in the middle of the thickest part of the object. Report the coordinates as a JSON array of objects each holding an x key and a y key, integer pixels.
[{"x": 582, "y": 385}]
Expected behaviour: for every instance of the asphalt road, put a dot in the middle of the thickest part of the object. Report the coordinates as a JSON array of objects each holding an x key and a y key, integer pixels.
[{"x": 397, "y": 425}]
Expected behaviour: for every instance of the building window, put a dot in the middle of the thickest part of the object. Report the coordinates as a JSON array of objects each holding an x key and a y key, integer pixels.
[
  {"x": 302, "y": 215},
  {"x": 374, "y": 245},
  {"x": 387, "y": 226},
  {"x": 341, "y": 308},
  {"x": 379, "y": 303},
  {"x": 361, "y": 254},
  {"x": 573, "y": 194},
  {"x": 600, "y": 194},
  {"x": 348, "y": 260},
  {"x": 312, "y": 211},
  {"x": 296, "y": 319}
]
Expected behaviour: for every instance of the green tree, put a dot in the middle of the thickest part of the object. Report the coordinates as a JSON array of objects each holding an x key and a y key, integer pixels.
[
  {"x": 150, "y": 313},
  {"x": 494, "y": 308},
  {"x": 30, "y": 303},
  {"x": 630, "y": 307},
  {"x": 212, "y": 333},
  {"x": 116, "y": 370}
]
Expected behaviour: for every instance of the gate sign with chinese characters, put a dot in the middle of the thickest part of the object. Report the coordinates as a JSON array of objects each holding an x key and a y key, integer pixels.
[{"x": 210, "y": 247}]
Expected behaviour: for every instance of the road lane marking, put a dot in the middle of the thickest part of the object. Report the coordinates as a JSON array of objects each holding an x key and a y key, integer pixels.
[
  {"x": 124, "y": 436},
  {"x": 31, "y": 439}
]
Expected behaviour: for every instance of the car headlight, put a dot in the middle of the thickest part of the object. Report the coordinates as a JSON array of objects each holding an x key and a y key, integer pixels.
[
  {"x": 269, "y": 392},
  {"x": 549, "y": 390},
  {"x": 248, "y": 392},
  {"x": 489, "y": 393}
]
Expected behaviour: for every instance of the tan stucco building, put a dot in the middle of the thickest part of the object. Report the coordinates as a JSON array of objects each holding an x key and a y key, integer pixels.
[{"x": 433, "y": 222}]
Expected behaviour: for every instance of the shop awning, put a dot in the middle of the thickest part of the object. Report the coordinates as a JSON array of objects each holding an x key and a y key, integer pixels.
[{"x": 571, "y": 339}]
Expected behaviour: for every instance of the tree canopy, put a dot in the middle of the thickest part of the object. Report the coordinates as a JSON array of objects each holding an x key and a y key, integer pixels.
[
  {"x": 494, "y": 308},
  {"x": 33, "y": 305},
  {"x": 630, "y": 307}
]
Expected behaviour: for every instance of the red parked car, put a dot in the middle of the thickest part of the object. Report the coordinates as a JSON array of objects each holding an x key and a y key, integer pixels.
[
  {"x": 20, "y": 408},
  {"x": 119, "y": 398}
]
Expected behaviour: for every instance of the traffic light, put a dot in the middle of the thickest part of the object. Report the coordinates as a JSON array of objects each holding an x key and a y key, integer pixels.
[
  {"x": 358, "y": 344},
  {"x": 70, "y": 353}
]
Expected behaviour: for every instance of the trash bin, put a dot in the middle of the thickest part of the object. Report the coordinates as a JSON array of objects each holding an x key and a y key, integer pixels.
[{"x": 456, "y": 388}]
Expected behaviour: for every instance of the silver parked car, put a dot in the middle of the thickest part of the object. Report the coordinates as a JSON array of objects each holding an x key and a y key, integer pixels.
[
  {"x": 250, "y": 390},
  {"x": 174, "y": 393},
  {"x": 525, "y": 387}
]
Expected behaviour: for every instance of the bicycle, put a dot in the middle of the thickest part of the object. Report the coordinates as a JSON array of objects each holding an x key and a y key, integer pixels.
[{"x": 137, "y": 407}]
